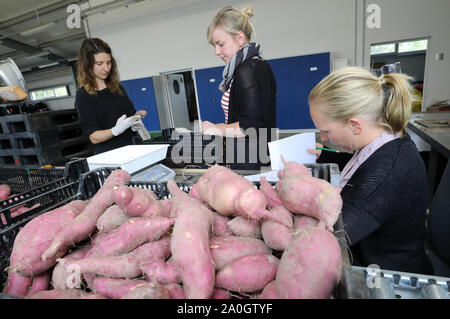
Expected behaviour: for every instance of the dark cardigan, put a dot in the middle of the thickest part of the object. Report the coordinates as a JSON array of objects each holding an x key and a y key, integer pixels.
[
  {"x": 384, "y": 207},
  {"x": 253, "y": 102}
]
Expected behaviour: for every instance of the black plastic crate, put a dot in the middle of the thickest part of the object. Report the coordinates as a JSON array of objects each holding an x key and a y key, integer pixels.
[
  {"x": 35, "y": 139},
  {"x": 24, "y": 179}
]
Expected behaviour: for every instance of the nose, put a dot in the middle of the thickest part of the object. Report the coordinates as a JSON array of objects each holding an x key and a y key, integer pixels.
[
  {"x": 323, "y": 136},
  {"x": 216, "y": 50}
]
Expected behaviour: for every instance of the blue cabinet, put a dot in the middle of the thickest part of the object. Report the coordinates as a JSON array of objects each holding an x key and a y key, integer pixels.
[
  {"x": 142, "y": 94},
  {"x": 295, "y": 77},
  {"x": 209, "y": 96}
]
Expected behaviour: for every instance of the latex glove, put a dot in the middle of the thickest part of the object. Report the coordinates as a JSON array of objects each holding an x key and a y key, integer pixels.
[{"x": 123, "y": 123}]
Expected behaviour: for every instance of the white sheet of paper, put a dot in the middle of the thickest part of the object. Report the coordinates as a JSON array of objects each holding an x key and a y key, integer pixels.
[
  {"x": 271, "y": 176},
  {"x": 293, "y": 148}
]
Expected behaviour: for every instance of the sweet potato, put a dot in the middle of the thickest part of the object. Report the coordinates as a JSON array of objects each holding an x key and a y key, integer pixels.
[
  {"x": 248, "y": 274},
  {"x": 111, "y": 219},
  {"x": 220, "y": 294},
  {"x": 275, "y": 235},
  {"x": 161, "y": 271},
  {"x": 86, "y": 222},
  {"x": 302, "y": 221},
  {"x": 245, "y": 227},
  {"x": 115, "y": 288},
  {"x": 154, "y": 250},
  {"x": 63, "y": 294},
  {"x": 17, "y": 285},
  {"x": 5, "y": 191},
  {"x": 229, "y": 193},
  {"x": 307, "y": 195},
  {"x": 190, "y": 244},
  {"x": 310, "y": 266},
  {"x": 269, "y": 291},
  {"x": 131, "y": 234},
  {"x": 176, "y": 291},
  {"x": 292, "y": 168},
  {"x": 152, "y": 290},
  {"x": 272, "y": 197},
  {"x": 40, "y": 282},
  {"x": 125, "y": 266},
  {"x": 138, "y": 202},
  {"x": 63, "y": 278},
  {"x": 226, "y": 249},
  {"x": 220, "y": 226},
  {"x": 37, "y": 235}
]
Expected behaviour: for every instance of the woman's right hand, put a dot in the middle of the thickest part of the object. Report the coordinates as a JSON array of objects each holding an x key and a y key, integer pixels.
[{"x": 315, "y": 151}]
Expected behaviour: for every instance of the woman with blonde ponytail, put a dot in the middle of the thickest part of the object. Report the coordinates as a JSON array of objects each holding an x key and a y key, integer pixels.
[
  {"x": 248, "y": 84},
  {"x": 384, "y": 185}
]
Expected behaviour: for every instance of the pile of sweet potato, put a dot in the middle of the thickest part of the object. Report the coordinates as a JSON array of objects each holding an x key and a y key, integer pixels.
[{"x": 223, "y": 239}]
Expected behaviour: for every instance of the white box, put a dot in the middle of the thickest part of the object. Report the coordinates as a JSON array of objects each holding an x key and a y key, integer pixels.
[{"x": 131, "y": 158}]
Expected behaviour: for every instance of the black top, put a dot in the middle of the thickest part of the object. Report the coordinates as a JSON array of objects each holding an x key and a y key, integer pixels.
[
  {"x": 384, "y": 207},
  {"x": 100, "y": 111},
  {"x": 253, "y": 103}
]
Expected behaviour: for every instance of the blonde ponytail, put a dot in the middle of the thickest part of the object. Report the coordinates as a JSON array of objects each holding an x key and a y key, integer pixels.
[{"x": 386, "y": 101}]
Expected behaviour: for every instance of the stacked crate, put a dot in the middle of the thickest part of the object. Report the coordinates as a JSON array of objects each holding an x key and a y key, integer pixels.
[{"x": 46, "y": 138}]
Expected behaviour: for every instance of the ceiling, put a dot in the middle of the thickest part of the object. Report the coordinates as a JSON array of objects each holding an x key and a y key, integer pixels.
[{"x": 36, "y": 35}]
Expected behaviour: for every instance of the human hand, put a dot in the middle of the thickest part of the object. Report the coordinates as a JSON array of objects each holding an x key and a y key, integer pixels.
[
  {"x": 209, "y": 128},
  {"x": 315, "y": 151},
  {"x": 123, "y": 123}
]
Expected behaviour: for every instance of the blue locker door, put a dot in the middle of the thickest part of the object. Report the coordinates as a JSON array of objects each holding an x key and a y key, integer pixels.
[
  {"x": 283, "y": 76},
  {"x": 209, "y": 95},
  {"x": 308, "y": 70},
  {"x": 126, "y": 84},
  {"x": 143, "y": 97}
]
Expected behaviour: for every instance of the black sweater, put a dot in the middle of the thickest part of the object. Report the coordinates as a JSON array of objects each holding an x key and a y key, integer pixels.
[
  {"x": 253, "y": 103},
  {"x": 384, "y": 207},
  {"x": 100, "y": 111}
]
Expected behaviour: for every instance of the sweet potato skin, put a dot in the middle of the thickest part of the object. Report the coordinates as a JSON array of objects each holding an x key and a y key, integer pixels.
[
  {"x": 248, "y": 274},
  {"x": 17, "y": 285},
  {"x": 310, "y": 266}
]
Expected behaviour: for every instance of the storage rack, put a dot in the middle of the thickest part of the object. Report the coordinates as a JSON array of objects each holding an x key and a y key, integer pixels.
[{"x": 43, "y": 138}]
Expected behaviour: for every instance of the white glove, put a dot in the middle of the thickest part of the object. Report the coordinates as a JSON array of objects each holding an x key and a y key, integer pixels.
[{"x": 124, "y": 123}]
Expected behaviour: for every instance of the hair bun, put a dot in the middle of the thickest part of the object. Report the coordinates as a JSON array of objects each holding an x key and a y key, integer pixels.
[{"x": 248, "y": 11}]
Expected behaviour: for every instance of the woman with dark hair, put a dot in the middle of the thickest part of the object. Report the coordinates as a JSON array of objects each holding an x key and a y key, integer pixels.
[{"x": 105, "y": 110}]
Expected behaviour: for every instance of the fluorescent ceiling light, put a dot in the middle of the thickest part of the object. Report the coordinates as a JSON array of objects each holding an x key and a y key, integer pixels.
[{"x": 38, "y": 29}]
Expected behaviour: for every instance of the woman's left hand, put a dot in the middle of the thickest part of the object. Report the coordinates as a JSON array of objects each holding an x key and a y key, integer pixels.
[{"x": 142, "y": 113}]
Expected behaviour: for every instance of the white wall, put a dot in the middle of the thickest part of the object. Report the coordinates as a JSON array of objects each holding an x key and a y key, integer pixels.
[
  {"x": 149, "y": 38},
  {"x": 164, "y": 35},
  {"x": 411, "y": 19}
]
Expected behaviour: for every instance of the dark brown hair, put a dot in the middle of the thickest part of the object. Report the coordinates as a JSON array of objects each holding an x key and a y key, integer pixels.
[{"x": 86, "y": 60}]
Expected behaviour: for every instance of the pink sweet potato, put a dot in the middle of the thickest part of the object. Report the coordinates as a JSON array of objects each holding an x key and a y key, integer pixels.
[
  {"x": 139, "y": 202},
  {"x": 115, "y": 288},
  {"x": 226, "y": 249},
  {"x": 176, "y": 291},
  {"x": 63, "y": 294},
  {"x": 269, "y": 291},
  {"x": 111, "y": 219},
  {"x": 132, "y": 233},
  {"x": 124, "y": 266},
  {"x": 161, "y": 271},
  {"x": 40, "y": 282},
  {"x": 220, "y": 294},
  {"x": 37, "y": 235},
  {"x": 152, "y": 290},
  {"x": 310, "y": 266},
  {"x": 63, "y": 278},
  {"x": 17, "y": 285},
  {"x": 302, "y": 221},
  {"x": 190, "y": 244},
  {"x": 86, "y": 223},
  {"x": 275, "y": 235},
  {"x": 228, "y": 193},
  {"x": 154, "y": 250},
  {"x": 307, "y": 195},
  {"x": 5, "y": 191},
  {"x": 220, "y": 226},
  {"x": 272, "y": 197},
  {"x": 292, "y": 168},
  {"x": 245, "y": 227},
  {"x": 248, "y": 274}
]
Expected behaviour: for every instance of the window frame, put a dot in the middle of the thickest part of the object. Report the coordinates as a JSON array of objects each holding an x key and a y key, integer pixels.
[{"x": 53, "y": 88}]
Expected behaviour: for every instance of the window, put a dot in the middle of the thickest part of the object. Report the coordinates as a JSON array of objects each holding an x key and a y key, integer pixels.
[
  {"x": 49, "y": 93},
  {"x": 382, "y": 48},
  {"x": 419, "y": 45},
  {"x": 399, "y": 47}
]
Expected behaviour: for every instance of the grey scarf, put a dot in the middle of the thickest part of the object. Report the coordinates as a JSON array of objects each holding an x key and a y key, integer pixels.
[{"x": 248, "y": 51}]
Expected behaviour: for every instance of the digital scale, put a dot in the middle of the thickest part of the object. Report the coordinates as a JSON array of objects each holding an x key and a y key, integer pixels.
[{"x": 156, "y": 173}]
